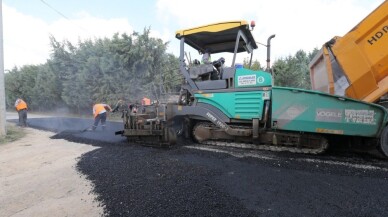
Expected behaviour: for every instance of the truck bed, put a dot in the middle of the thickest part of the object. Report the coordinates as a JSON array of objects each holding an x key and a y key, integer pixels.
[{"x": 355, "y": 65}]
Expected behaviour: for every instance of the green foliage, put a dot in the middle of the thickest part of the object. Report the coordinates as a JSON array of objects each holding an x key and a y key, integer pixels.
[
  {"x": 293, "y": 71},
  {"x": 20, "y": 83},
  {"x": 124, "y": 66},
  {"x": 46, "y": 90},
  {"x": 255, "y": 64},
  {"x": 102, "y": 70}
]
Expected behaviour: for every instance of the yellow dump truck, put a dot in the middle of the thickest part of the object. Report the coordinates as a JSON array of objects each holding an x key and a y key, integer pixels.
[{"x": 356, "y": 65}]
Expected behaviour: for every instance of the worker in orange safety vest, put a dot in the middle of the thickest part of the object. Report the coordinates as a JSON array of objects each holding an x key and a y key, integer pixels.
[
  {"x": 99, "y": 113},
  {"x": 145, "y": 101},
  {"x": 21, "y": 108}
]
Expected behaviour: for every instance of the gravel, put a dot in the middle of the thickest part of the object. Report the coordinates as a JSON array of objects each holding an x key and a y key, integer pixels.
[
  {"x": 150, "y": 182},
  {"x": 133, "y": 180}
]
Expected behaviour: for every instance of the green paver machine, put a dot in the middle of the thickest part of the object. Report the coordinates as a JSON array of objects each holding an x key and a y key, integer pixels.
[{"x": 236, "y": 106}]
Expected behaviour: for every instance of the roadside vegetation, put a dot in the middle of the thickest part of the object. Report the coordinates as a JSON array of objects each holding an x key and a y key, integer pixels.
[
  {"x": 128, "y": 67},
  {"x": 104, "y": 70},
  {"x": 13, "y": 133}
]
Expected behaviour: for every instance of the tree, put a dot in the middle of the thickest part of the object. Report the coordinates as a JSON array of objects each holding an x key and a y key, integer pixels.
[
  {"x": 255, "y": 64},
  {"x": 125, "y": 66},
  {"x": 45, "y": 93},
  {"x": 20, "y": 83},
  {"x": 292, "y": 71}
]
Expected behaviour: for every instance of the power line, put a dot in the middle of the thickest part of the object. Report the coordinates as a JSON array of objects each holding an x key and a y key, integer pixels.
[
  {"x": 64, "y": 16},
  {"x": 58, "y": 12}
]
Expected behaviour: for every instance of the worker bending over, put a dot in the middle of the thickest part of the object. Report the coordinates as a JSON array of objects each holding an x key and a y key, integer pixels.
[
  {"x": 99, "y": 113},
  {"x": 21, "y": 108}
]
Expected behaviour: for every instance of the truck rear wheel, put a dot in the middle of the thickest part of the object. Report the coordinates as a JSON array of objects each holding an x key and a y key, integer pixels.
[{"x": 384, "y": 142}]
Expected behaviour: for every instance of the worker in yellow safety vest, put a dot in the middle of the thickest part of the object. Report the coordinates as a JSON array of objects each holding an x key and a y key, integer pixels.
[
  {"x": 21, "y": 108},
  {"x": 99, "y": 113},
  {"x": 206, "y": 58}
]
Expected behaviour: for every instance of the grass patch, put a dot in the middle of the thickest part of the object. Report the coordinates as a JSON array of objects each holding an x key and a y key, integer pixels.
[{"x": 13, "y": 133}]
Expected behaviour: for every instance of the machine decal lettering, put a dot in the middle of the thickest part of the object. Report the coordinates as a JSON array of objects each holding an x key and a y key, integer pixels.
[
  {"x": 378, "y": 35},
  {"x": 360, "y": 116},
  {"x": 260, "y": 79},
  {"x": 214, "y": 120},
  {"x": 328, "y": 115},
  {"x": 245, "y": 80},
  {"x": 220, "y": 124}
]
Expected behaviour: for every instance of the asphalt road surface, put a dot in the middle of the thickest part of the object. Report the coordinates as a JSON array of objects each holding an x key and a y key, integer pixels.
[{"x": 194, "y": 180}]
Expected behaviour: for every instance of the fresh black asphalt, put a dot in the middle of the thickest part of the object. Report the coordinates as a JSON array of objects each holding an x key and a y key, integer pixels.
[{"x": 134, "y": 180}]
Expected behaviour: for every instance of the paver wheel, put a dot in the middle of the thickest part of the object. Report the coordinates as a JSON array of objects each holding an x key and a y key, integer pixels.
[{"x": 384, "y": 142}]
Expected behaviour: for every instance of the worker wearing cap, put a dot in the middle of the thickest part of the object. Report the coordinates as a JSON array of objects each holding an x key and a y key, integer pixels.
[
  {"x": 99, "y": 113},
  {"x": 21, "y": 108}
]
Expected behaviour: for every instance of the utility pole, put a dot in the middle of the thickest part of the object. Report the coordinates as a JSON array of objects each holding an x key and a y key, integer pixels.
[{"x": 3, "y": 130}]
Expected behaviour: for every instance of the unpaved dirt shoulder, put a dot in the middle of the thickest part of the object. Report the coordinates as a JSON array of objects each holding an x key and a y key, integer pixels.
[{"x": 38, "y": 178}]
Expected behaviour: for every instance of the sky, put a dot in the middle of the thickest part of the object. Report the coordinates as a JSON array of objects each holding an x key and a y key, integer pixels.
[{"x": 297, "y": 24}]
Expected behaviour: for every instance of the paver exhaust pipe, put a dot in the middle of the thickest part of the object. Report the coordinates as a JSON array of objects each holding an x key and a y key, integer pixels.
[{"x": 269, "y": 51}]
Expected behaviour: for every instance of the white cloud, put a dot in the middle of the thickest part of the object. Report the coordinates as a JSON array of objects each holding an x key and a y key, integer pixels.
[
  {"x": 26, "y": 39},
  {"x": 164, "y": 35},
  {"x": 298, "y": 24},
  {"x": 203, "y": 11},
  {"x": 88, "y": 27},
  {"x": 305, "y": 24}
]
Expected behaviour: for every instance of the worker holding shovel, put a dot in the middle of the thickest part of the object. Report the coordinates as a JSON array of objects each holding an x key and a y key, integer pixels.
[{"x": 99, "y": 113}]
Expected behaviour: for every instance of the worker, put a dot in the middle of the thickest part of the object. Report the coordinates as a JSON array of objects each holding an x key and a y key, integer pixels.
[
  {"x": 133, "y": 107},
  {"x": 99, "y": 113},
  {"x": 206, "y": 58},
  {"x": 219, "y": 66},
  {"x": 21, "y": 108},
  {"x": 146, "y": 101},
  {"x": 119, "y": 106}
]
